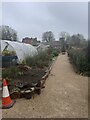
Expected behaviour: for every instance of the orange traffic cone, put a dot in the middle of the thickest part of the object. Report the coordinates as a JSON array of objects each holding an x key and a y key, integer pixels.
[{"x": 6, "y": 100}]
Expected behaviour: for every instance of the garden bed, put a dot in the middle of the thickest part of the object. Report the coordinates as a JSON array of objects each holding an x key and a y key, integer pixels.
[
  {"x": 27, "y": 81},
  {"x": 29, "y": 77}
]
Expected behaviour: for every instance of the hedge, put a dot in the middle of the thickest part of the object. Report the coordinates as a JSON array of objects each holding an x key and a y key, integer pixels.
[{"x": 79, "y": 57}]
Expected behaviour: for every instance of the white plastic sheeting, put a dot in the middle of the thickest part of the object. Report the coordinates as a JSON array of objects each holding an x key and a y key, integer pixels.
[
  {"x": 42, "y": 48},
  {"x": 22, "y": 50}
]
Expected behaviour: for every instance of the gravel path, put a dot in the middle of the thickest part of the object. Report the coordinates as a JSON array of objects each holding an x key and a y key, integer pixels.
[{"x": 65, "y": 96}]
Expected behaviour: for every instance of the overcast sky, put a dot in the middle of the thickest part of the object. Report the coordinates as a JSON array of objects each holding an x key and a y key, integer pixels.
[{"x": 32, "y": 19}]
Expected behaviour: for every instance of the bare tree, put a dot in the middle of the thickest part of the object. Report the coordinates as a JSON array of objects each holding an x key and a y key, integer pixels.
[
  {"x": 48, "y": 36},
  {"x": 7, "y": 33},
  {"x": 64, "y": 35},
  {"x": 77, "y": 39}
]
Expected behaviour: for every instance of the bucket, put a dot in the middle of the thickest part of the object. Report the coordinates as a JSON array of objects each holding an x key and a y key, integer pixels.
[{"x": 29, "y": 93}]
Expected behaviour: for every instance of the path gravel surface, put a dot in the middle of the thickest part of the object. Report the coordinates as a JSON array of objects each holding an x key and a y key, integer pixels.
[{"x": 65, "y": 96}]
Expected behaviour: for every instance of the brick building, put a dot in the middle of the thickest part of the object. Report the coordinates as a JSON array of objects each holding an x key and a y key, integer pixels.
[{"x": 32, "y": 41}]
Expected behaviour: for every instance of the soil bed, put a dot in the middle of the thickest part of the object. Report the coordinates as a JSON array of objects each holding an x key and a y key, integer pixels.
[
  {"x": 31, "y": 77},
  {"x": 27, "y": 78}
]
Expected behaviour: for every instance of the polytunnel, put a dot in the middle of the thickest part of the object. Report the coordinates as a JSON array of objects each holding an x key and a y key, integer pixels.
[
  {"x": 22, "y": 50},
  {"x": 42, "y": 48}
]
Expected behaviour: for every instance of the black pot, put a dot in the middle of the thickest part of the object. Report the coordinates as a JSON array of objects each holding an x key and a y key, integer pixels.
[
  {"x": 28, "y": 94},
  {"x": 9, "y": 60}
]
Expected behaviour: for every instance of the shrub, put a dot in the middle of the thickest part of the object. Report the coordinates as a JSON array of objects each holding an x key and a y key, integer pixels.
[
  {"x": 53, "y": 52},
  {"x": 79, "y": 58},
  {"x": 42, "y": 59},
  {"x": 11, "y": 72},
  {"x": 7, "y": 52},
  {"x": 63, "y": 49}
]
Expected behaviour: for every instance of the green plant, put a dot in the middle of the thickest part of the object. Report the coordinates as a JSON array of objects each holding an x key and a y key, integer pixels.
[
  {"x": 63, "y": 49},
  {"x": 79, "y": 58},
  {"x": 6, "y": 52},
  {"x": 11, "y": 72},
  {"x": 41, "y": 60},
  {"x": 55, "y": 53},
  {"x": 24, "y": 62}
]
